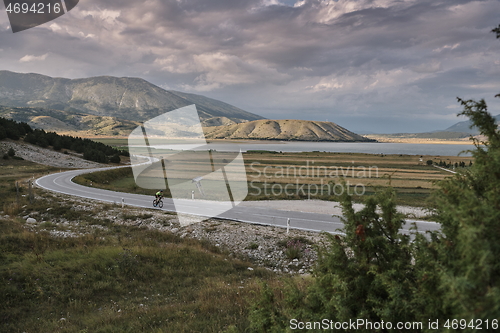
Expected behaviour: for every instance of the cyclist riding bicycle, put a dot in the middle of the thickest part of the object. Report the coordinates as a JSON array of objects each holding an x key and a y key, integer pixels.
[
  {"x": 157, "y": 201},
  {"x": 159, "y": 195}
]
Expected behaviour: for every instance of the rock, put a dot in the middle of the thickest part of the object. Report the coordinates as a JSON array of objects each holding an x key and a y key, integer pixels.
[
  {"x": 30, "y": 220},
  {"x": 301, "y": 271},
  {"x": 250, "y": 268}
]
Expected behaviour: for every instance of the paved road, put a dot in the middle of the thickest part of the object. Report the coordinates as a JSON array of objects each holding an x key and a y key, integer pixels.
[{"x": 62, "y": 183}]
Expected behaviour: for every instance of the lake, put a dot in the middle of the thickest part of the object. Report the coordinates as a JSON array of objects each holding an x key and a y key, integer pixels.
[{"x": 357, "y": 147}]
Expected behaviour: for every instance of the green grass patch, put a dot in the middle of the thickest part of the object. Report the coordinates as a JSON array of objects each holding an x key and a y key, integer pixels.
[
  {"x": 121, "y": 180},
  {"x": 128, "y": 280}
]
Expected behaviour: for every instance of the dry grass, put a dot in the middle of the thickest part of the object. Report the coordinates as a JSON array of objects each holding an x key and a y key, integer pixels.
[{"x": 114, "y": 279}]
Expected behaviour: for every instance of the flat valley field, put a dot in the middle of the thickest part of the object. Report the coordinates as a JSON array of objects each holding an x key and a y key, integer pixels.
[{"x": 319, "y": 175}]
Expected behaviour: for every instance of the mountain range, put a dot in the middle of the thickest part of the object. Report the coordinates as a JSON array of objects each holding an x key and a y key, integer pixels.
[
  {"x": 112, "y": 106},
  {"x": 125, "y": 98},
  {"x": 465, "y": 127}
]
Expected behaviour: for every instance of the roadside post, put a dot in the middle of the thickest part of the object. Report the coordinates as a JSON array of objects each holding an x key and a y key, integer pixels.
[
  {"x": 17, "y": 193},
  {"x": 287, "y": 225}
]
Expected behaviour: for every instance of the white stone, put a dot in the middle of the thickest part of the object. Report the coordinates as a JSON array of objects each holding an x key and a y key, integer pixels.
[{"x": 30, "y": 220}]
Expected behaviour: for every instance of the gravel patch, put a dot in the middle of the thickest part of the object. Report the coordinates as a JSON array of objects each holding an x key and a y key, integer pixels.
[
  {"x": 265, "y": 246},
  {"x": 323, "y": 207},
  {"x": 49, "y": 157}
]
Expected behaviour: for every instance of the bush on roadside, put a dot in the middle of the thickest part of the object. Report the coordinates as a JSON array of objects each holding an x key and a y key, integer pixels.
[{"x": 375, "y": 273}]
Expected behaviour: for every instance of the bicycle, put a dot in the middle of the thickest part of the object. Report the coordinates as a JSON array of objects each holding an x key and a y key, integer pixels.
[{"x": 158, "y": 202}]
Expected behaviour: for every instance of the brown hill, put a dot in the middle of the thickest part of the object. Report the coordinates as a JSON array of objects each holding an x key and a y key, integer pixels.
[{"x": 286, "y": 130}]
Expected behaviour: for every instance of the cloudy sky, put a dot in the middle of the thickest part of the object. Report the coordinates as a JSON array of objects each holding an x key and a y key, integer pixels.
[{"x": 370, "y": 65}]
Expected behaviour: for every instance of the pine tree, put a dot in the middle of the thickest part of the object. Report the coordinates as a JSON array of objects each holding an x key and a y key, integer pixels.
[
  {"x": 468, "y": 208},
  {"x": 372, "y": 272}
]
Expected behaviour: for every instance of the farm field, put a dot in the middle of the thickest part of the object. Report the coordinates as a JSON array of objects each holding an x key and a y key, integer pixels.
[{"x": 317, "y": 175}]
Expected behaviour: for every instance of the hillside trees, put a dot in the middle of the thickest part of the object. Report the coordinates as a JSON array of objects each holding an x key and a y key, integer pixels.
[
  {"x": 12, "y": 129},
  {"x": 91, "y": 150}
]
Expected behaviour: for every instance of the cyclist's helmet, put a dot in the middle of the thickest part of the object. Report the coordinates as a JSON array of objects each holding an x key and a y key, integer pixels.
[{"x": 161, "y": 190}]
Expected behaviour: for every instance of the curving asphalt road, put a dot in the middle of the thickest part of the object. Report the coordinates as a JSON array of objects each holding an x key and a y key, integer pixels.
[{"x": 62, "y": 183}]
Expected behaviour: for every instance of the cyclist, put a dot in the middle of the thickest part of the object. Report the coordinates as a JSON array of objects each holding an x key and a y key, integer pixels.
[
  {"x": 159, "y": 195},
  {"x": 157, "y": 201}
]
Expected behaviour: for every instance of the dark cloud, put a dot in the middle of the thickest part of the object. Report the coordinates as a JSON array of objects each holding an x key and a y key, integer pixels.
[{"x": 311, "y": 59}]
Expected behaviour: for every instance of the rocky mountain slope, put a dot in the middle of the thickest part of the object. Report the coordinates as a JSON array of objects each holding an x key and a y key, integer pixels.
[
  {"x": 112, "y": 106},
  {"x": 64, "y": 122},
  {"x": 125, "y": 98},
  {"x": 300, "y": 130}
]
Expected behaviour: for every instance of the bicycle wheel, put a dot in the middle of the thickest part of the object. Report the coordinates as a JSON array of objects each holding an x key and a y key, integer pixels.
[
  {"x": 160, "y": 204},
  {"x": 155, "y": 203}
]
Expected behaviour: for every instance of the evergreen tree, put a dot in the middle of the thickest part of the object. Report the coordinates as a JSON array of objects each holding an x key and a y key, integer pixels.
[
  {"x": 468, "y": 208},
  {"x": 115, "y": 158},
  {"x": 374, "y": 273},
  {"x": 3, "y": 133},
  {"x": 57, "y": 145}
]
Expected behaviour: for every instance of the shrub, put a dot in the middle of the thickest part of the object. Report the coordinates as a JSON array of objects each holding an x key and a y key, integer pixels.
[
  {"x": 375, "y": 273},
  {"x": 253, "y": 246},
  {"x": 115, "y": 158},
  {"x": 294, "y": 249}
]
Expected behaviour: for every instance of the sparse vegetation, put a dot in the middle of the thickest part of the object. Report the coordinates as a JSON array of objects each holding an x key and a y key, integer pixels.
[
  {"x": 253, "y": 246},
  {"x": 116, "y": 278},
  {"x": 294, "y": 249}
]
